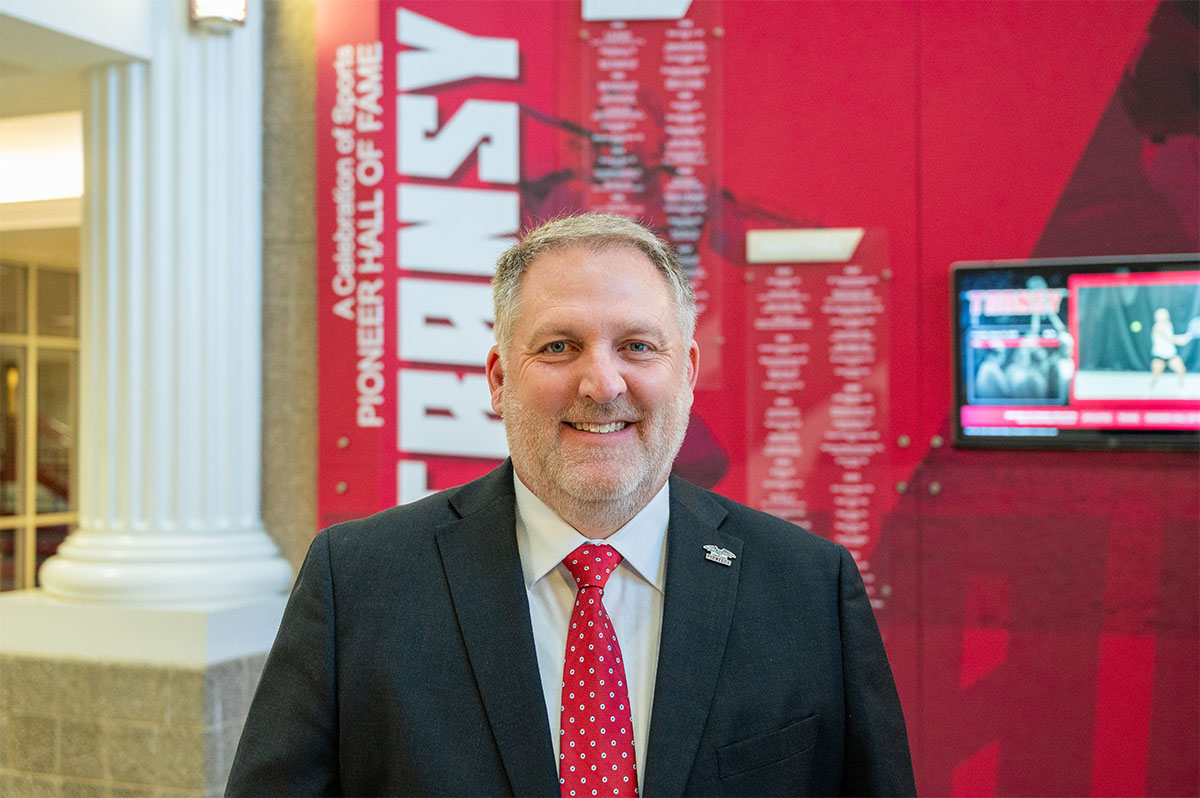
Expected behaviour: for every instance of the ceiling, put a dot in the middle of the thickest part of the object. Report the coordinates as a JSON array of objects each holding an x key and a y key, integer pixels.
[
  {"x": 49, "y": 246},
  {"x": 41, "y": 71}
]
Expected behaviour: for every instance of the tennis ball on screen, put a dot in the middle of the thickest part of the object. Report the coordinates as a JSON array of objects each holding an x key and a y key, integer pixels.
[{"x": 1136, "y": 326}]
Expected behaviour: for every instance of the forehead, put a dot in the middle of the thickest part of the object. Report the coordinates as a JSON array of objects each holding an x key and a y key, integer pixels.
[{"x": 612, "y": 280}]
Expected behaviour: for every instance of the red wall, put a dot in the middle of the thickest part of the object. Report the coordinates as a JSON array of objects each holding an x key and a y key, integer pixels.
[
  {"x": 1042, "y": 609},
  {"x": 1044, "y": 618}
]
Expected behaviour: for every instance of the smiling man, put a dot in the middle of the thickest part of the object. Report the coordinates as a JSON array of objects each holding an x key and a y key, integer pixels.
[
  {"x": 579, "y": 622},
  {"x": 594, "y": 379}
]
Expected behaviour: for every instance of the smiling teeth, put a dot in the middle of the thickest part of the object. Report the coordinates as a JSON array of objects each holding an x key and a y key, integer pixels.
[{"x": 599, "y": 428}]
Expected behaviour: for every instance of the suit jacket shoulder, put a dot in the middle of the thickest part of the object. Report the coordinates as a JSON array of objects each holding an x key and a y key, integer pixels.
[
  {"x": 406, "y": 642},
  {"x": 419, "y": 520},
  {"x": 756, "y": 524}
]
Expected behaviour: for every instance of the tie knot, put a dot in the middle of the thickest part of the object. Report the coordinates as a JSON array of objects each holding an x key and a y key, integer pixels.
[{"x": 592, "y": 564}]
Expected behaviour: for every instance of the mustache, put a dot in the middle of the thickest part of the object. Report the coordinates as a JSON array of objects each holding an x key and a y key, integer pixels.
[{"x": 597, "y": 413}]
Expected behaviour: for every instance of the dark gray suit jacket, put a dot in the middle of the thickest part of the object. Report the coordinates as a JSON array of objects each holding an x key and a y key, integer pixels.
[{"x": 405, "y": 663}]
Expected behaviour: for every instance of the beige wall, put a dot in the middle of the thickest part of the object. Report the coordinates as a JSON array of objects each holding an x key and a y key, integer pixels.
[{"x": 289, "y": 276}]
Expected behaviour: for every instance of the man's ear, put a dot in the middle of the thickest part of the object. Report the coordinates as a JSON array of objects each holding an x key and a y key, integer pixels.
[
  {"x": 495, "y": 378},
  {"x": 693, "y": 363}
]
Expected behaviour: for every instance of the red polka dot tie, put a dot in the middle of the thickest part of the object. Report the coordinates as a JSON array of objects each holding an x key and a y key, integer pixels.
[{"x": 596, "y": 737}]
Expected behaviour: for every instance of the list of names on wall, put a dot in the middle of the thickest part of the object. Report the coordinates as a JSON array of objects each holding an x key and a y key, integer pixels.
[
  {"x": 781, "y": 341},
  {"x": 853, "y": 435},
  {"x": 685, "y": 73},
  {"x": 816, "y": 408},
  {"x": 618, "y": 182}
]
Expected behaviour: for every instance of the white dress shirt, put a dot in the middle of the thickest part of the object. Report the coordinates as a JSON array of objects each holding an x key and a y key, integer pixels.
[{"x": 633, "y": 599}]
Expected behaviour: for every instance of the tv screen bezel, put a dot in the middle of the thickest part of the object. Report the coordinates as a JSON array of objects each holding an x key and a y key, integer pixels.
[{"x": 1073, "y": 439}]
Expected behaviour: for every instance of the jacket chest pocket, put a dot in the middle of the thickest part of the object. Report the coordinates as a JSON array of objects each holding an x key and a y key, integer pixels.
[{"x": 767, "y": 749}]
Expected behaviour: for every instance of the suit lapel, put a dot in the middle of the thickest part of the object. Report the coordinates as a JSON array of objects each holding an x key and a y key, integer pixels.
[
  {"x": 697, "y": 610},
  {"x": 483, "y": 568}
]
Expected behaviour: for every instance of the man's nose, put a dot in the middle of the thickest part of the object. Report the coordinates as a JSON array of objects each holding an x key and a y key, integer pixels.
[{"x": 601, "y": 379}]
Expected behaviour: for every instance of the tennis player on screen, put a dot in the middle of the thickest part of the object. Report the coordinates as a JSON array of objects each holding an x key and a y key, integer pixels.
[{"x": 1163, "y": 348}]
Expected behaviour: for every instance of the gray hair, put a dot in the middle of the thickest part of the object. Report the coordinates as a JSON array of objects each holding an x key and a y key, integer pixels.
[{"x": 597, "y": 232}]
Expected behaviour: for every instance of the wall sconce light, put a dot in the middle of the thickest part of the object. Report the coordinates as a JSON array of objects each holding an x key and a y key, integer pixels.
[{"x": 218, "y": 16}]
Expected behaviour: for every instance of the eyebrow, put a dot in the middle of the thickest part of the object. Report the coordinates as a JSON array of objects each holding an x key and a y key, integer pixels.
[{"x": 632, "y": 330}]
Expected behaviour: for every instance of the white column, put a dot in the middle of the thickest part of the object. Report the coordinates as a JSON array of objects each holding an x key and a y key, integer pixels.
[{"x": 171, "y": 329}]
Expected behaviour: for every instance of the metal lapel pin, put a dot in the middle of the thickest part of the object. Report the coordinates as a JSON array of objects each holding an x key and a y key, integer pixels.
[{"x": 718, "y": 554}]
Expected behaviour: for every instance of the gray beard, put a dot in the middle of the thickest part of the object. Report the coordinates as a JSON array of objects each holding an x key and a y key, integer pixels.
[{"x": 592, "y": 508}]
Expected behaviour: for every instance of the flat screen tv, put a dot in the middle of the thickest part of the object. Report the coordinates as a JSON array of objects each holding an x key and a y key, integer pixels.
[{"x": 1077, "y": 353}]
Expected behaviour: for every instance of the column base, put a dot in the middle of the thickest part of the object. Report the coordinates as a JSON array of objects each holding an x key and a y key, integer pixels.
[
  {"x": 119, "y": 700},
  {"x": 38, "y": 624},
  {"x": 173, "y": 569}
]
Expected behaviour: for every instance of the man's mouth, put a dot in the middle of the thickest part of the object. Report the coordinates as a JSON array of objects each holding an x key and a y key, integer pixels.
[{"x": 599, "y": 429}]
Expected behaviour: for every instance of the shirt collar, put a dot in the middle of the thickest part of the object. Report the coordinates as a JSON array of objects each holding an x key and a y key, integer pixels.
[{"x": 544, "y": 539}]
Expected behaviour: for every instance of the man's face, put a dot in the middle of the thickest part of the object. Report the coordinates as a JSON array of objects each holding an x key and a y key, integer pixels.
[{"x": 596, "y": 384}]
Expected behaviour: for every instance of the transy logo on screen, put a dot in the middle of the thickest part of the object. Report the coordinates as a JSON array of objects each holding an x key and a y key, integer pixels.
[{"x": 1015, "y": 301}]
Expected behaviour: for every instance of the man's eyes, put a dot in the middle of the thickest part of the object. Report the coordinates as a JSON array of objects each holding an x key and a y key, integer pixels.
[{"x": 562, "y": 347}]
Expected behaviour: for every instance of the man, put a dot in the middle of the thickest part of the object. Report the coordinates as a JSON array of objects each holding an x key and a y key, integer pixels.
[{"x": 460, "y": 646}]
